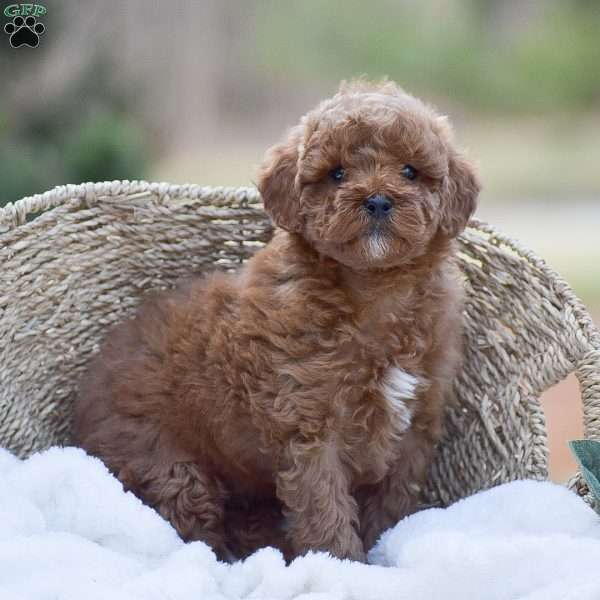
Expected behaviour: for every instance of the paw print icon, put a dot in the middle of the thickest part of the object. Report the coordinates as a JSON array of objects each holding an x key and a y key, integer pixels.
[{"x": 24, "y": 32}]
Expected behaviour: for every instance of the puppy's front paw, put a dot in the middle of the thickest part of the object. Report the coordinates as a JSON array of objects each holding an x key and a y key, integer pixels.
[
  {"x": 372, "y": 533},
  {"x": 350, "y": 547}
]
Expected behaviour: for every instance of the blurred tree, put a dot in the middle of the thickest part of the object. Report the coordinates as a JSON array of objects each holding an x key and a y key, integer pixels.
[
  {"x": 82, "y": 135},
  {"x": 191, "y": 74},
  {"x": 105, "y": 146},
  {"x": 510, "y": 55},
  {"x": 81, "y": 130}
]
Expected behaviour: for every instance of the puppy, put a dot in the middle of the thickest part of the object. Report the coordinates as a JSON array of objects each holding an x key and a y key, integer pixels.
[{"x": 311, "y": 384}]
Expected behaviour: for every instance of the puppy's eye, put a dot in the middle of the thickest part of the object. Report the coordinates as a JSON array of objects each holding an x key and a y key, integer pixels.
[
  {"x": 337, "y": 174},
  {"x": 409, "y": 172}
]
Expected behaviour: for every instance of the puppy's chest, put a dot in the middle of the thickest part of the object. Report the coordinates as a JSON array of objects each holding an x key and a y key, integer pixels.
[
  {"x": 394, "y": 335},
  {"x": 384, "y": 383},
  {"x": 384, "y": 406},
  {"x": 375, "y": 419}
]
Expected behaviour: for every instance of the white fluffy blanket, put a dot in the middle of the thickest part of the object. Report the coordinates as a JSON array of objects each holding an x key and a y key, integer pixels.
[{"x": 68, "y": 531}]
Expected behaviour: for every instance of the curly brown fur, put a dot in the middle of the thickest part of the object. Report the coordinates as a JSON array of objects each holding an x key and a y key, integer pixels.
[{"x": 312, "y": 383}]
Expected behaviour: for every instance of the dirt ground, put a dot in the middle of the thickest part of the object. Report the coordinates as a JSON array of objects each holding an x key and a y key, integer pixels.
[{"x": 562, "y": 405}]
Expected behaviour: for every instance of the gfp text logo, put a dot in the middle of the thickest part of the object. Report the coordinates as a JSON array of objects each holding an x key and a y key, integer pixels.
[{"x": 25, "y": 28}]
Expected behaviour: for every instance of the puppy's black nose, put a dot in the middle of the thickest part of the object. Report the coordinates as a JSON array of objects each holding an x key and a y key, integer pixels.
[{"x": 378, "y": 206}]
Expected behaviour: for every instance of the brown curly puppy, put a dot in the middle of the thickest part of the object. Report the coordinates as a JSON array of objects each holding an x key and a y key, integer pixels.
[{"x": 313, "y": 382}]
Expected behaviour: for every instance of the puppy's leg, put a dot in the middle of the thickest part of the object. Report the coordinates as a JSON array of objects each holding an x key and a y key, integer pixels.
[
  {"x": 257, "y": 525},
  {"x": 382, "y": 505},
  {"x": 314, "y": 488},
  {"x": 189, "y": 499}
]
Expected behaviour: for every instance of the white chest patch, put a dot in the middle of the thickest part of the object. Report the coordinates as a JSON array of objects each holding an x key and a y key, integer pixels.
[
  {"x": 377, "y": 246},
  {"x": 400, "y": 391}
]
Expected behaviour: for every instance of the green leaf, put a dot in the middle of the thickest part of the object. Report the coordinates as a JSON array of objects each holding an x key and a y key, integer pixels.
[{"x": 587, "y": 455}]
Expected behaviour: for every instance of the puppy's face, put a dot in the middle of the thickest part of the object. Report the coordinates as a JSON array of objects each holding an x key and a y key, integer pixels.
[{"x": 369, "y": 178}]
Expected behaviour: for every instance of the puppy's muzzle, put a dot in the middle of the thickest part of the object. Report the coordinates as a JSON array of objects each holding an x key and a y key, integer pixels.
[{"x": 378, "y": 206}]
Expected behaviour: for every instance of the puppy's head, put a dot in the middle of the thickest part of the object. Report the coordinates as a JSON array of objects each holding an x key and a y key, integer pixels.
[{"x": 370, "y": 178}]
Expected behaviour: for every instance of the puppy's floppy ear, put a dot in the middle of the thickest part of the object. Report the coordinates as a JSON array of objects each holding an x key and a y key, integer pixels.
[
  {"x": 277, "y": 183},
  {"x": 459, "y": 190}
]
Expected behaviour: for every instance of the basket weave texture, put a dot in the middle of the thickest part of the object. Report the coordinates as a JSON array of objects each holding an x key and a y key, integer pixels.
[{"x": 79, "y": 258}]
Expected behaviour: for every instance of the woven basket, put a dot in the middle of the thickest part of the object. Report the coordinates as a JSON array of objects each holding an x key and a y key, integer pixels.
[{"x": 77, "y": 259}]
